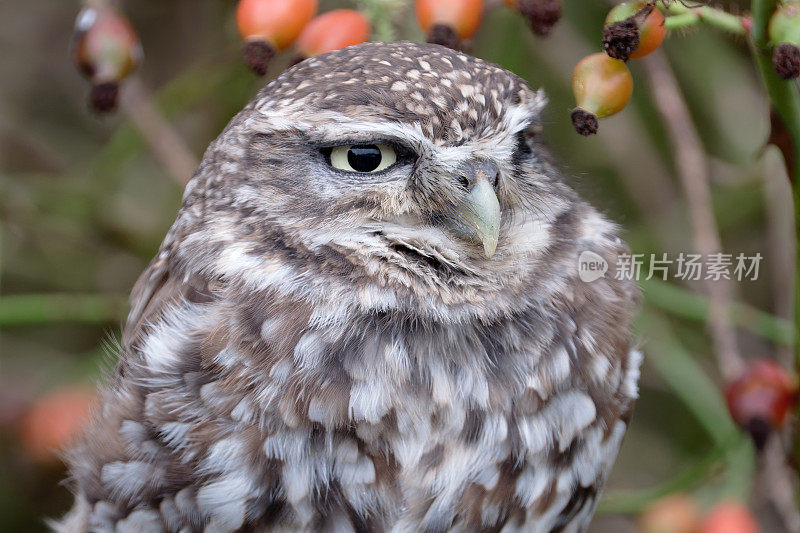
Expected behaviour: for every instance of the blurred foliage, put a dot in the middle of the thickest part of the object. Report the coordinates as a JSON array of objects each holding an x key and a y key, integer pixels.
[{"x": 83, "y": 207}]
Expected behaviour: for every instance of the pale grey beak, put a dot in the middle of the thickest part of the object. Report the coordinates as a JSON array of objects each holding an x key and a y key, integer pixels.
[
  {"x": 477, "y": 216},
  {"x": 481, "y": 211}
]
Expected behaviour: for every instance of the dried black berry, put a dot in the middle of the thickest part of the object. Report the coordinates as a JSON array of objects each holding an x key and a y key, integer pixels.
[
  {"x": 585, "y": 122},
  {"x": 786, "y": 60},
  {"x": 621, "y": 39},
  {"x": 257, "y": 55},
  {"x": 104, "y": 96},
  {"x": 542, "y": 15},
  {"x": 445, "y": 36}
]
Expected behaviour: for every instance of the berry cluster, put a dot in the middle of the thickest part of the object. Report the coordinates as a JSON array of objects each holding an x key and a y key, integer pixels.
[
  {"x": 602, "y": 83},
  {"x": 269, "y": 26}
]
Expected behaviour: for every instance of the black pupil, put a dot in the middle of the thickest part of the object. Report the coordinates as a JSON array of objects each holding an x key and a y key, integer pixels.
[{"x": 365, "y": 158}]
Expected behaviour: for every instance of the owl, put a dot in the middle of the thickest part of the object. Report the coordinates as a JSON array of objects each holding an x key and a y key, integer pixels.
[{"x": 368, "y": 316}]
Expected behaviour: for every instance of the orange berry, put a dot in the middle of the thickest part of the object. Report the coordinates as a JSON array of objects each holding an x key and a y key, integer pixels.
[
  {"x": 52, "y": 421},
  {"x": 333, "y": 30},
  {"x": 762, "y": 398},
  {"x": 633, "y": 29},
  {"x": 672, "y": 514},
  {"x": 462, "y": 16},
  {"x": 278, "y": 22},
  {"x": 271, "y": 25},
  {"x": 652, "y": 31},
  {"x": 602, "y": 87},
  {"x": 729, "y": 517}
]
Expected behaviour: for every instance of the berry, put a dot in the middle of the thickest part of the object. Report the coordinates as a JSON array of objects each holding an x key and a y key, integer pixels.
[
  {"x": 105, "y": 48},
  {"x": 268, "y": 26},
  {"x": 784, "y": 32},
  {"x": 333, "y": 30},
  {"x": 672, "y": 514},
  {"x": 541, "y": 15},
  {"x": 602, "y": 87},
  {"x": 762, "y": 398},
  {"x": 52, "y": 421},
  {"x": 633, "y": 30},
  {"x": 448, "y": 22},
  {"x": 729, "y": 517}
]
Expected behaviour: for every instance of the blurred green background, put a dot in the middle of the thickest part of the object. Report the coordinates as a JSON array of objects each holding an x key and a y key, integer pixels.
[{"x": 84, "y": 205}]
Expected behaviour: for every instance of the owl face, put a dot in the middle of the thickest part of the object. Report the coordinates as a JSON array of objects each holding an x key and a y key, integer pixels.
[{"x": 411, "y": 165}]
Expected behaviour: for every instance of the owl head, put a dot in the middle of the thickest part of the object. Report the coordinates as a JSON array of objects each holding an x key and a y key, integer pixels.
[{"x": 410, "y": 171}]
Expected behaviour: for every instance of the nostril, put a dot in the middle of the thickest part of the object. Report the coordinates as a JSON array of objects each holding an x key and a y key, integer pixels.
[{"x": 471, "y": 173}]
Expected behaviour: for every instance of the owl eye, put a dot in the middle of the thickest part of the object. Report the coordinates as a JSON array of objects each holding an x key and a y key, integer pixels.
[{"x": 363, "y": 157}]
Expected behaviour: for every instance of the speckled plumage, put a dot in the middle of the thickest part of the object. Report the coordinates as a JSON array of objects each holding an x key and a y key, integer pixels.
[{"x": 315, "y": 350}]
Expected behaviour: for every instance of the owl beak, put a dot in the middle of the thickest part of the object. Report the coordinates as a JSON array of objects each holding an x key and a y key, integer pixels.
[{"x": 479, "y": 216}]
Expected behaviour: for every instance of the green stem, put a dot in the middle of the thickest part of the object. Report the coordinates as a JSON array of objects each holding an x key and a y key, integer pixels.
[
  {"x": 684, "y": 20},
  {"x": 679, "y": 16},
  {"x": 785, "y": 99},
  {"x": 687, "y": 304},
  {"x": 34, "y": 309}
]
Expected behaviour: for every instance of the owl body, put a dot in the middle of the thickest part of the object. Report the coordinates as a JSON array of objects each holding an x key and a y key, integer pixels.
[{"x": 323, "y": 347}]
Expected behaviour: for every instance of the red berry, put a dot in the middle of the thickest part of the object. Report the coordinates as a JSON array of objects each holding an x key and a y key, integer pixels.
[
  {"x": 762, "y": 398},
  {"x": 633, "y": 29},
  {"x": 449, "y": 21},
  {"x": 52, "y": 422},
  {"x": 271, "y": 25},
  {"x": 729, "y": 517},
  {"x": 333, "y": 30},
  {"x": 105, "y": 48},
  {"x": 602, "y": 87}
]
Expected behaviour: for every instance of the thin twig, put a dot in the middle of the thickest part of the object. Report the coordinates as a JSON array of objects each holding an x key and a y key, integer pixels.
[
  {"x": 166, "y": 144},
  {"x": 781, "y": 245},
  {"x": 778, "y": 484},
  {"x": 693, "y": 173}
]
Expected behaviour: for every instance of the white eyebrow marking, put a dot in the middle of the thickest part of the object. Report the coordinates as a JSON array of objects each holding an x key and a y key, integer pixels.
[{"x": 495, "y": 142}]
